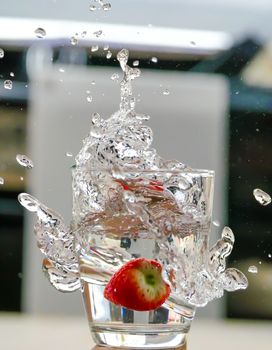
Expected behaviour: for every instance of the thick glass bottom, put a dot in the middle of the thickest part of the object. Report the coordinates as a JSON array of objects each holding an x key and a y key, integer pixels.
[{"x": 138, "y": 336}]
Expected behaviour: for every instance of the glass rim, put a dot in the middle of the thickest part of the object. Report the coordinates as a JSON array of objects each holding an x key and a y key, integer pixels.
[{"x": 196, "y": 172}]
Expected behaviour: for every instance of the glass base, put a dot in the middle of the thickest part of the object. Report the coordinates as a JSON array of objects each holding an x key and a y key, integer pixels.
[{"x": 138, "y": 337}]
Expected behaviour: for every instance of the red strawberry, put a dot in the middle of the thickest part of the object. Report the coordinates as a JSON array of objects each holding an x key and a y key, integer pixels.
[{"x": 138, "y": 285}]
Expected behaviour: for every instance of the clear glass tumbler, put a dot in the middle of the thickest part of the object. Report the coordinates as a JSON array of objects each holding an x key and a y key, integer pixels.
[{"x": 163, "y": 215}]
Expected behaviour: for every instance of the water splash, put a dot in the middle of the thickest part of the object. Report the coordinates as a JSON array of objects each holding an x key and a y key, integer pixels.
[
  {"x": 169, "y": 209},
  {"x": 262, "y": 197}
]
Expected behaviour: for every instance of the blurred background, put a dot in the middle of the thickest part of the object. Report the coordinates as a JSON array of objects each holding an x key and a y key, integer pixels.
[{"x": 206, "y": 83}]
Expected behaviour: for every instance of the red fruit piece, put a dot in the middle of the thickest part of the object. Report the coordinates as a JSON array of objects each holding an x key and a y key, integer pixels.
[{"x": 138, "y": 285}]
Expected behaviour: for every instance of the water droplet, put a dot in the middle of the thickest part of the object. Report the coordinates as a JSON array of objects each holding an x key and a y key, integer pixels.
[
  {"x": 154, "y": 59},
  {"x": 108, "y": 55},
  {"x": 135, "y": 63},
  {"x": 216, "y": 223},
  {"x": 93, "y": 82},
  {"x": 29, "y": 202},
  {"x": 106, "y": 47},
  {"x": 237, "y": 92},
  {"x": 11, "y": 74},
  {"x": 270, "y": 256},
  {"x": 92, "y": 8},
  {"x": 21, "y": 178},
  {"x": 24, "y": 161},
  {"x": 69, "y": 154},
  {"x": 83, "y": 34},
  {"x": 257, "y": 130},
  {"x": 98, "y": 33},
  {"x": 253, "y": 269},
  {"x": 262, "y": 197},
  {"x": 106, "y": 7},
  {"x": 115, "y": 77},
  {"x": 8, "y": 84},
  {"x": 40, "y": 33},
  {"x": 61, "y": 70},
  {"x": 88, "y": 91},
  {"x": 166, "y": 92},
  {"x": 192, "y": 43},
  {"x": 89, "y": 98},
  {"x": 2, "y": 53},
  {"x": 73, "y": 41},
  {"x": 94, "y": 48},
  {"x": 2, "y": 181}
]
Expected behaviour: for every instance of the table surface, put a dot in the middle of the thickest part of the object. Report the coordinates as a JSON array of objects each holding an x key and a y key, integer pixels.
[{"x": 27, "y": 332}]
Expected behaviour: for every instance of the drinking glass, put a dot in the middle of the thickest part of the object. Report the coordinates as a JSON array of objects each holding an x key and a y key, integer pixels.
[{"x": 163, "y": 215}]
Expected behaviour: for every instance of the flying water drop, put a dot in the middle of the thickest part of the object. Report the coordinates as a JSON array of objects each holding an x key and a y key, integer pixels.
[
  {"x": 2, "y": 53},
  {"x": 135, "y": 63},
  {"x": 2, "y": 181},
  {"x": 98, "y": 33},
  {"x": 108, "y": 55},
  {"x": 24, "y": 161},
  {"x": 115, "y": 77},
  {"x": 92, "y": 8},
  {"x": 166, "y": 92},
  {"x": 94, "y": 48},
  {"x": 8, "y": 84},
  {"x": 73, "y": 41},
  {"x": 40, "y": 33},
  {"x": 106, "y": 6},
  {"x": 253, "y": 269},
  {"x": 154, "y": 59},
  {"x": 262, "y": 197}
]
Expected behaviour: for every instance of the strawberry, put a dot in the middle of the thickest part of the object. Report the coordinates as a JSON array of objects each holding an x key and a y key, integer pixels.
[{"x": 138, "y": 285}]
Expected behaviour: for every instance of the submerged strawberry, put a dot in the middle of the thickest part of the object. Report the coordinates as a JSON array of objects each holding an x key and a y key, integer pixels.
[{"x": 138, "y": 285}]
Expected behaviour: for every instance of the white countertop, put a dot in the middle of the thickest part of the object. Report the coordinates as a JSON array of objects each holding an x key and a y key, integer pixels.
[{"x": 27, "y": 332}]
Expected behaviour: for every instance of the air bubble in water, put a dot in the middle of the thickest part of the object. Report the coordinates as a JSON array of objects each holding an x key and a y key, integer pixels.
[
  {"x": 115, "y": 77},
  {"x": 2, "y": 53},
  {"x": 106, "y": 6},
  {"x": 73, "y": 41},
  {"x": 8, "y": 84},
  {"x": 2, "y": 181},
  {"x": 40, "y": 33},
  {"x": 109, "y": 54},
  {"x": 94, "y": 48},
  {"x": 262, "y": 197},
  {"x": 154, "y": 59},
  {"x": 135, "y": 63},
  {"x": 98, "y": 33},
  {"x": 253, "y": 269},
  {"x": 166, "y": 92},
  {"x": 24, "y": 161}
]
